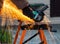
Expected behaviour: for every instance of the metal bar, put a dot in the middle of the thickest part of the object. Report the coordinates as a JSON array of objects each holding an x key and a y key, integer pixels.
[
  {"x": 30, "y": 38},
  {"x": 16, "y": 36},
  {"x": 22, "y": 36},
  {"x": 42, "y": 36}
]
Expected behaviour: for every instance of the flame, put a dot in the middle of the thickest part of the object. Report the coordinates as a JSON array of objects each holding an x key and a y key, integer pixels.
[{"x": 10, "y": 10}]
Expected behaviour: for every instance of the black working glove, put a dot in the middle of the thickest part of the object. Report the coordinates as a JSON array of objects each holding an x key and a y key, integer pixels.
[{"x": 33, "y": 14}]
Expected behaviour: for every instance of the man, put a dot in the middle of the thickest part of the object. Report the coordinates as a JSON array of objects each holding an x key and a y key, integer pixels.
[
  {"x": 28, "y": 11},
  {"x": 25, "y": 6}
]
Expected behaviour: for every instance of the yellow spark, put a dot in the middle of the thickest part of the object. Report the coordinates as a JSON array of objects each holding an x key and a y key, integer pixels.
[{"x": 10, "y": 10}]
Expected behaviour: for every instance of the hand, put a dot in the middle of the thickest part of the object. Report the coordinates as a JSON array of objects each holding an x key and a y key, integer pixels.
[{"x": 44, "y": 21}]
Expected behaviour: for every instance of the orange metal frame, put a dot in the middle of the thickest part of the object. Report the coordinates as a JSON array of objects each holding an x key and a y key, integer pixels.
[
  {"x": 41, "y": 35},
  {"x": 16, "y": 36}
]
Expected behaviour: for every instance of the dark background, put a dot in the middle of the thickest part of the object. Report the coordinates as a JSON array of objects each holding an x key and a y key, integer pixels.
[{"x": 55, "y": 8}]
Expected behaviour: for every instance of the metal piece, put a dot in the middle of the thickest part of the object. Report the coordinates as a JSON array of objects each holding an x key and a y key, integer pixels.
[
  {"x": 30, "y": 38},
  {"x": 16, "y": 36},
  {"x": 22, "y": 36},
  {"x": 42, "y": 36}
]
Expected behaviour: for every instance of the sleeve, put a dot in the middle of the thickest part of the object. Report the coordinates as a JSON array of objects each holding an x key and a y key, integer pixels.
[{"x": 20, "y": 3}]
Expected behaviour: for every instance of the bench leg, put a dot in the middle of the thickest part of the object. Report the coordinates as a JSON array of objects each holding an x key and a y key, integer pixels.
[
  {"x": 22, "y": 36},
  {"x": 42, "y": 36},
  {"x": 16, "y": 36}
]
